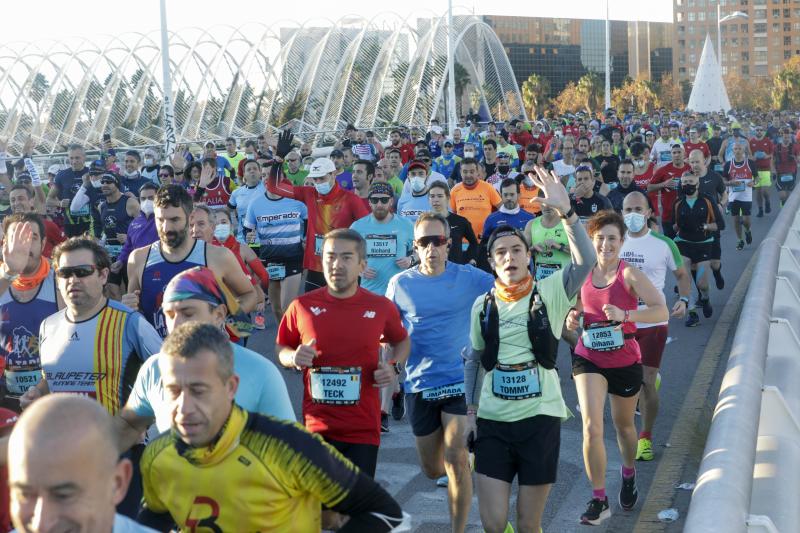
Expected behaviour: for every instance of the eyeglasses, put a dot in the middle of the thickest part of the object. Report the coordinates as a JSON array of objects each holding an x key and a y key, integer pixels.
[
  {"x": 79, "y": 271},
  {"x": 379, "y": 199},
  {"x": 165, "y": 175},
  {"x": 436, "y": 240},
  {"x": 108, "y": 182}
]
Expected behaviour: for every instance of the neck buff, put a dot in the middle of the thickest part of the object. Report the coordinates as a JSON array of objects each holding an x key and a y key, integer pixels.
[
  {"x": 26, "y": 283},
  {"x": 515, "y": 291}
]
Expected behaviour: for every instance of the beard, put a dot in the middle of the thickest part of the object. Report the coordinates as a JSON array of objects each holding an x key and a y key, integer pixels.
[{"x": 174, "y": 239}]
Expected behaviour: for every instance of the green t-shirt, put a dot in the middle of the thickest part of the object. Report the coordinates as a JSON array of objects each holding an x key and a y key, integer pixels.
[
  {"x": 515, "y": 348},
  {"x": 298, "y": 178},
  {"x": 397, "y": 185},
  {"x": 551, "y": 256}
]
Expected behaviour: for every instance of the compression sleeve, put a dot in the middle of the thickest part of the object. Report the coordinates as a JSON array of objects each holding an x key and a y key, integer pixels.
[
  {"x": 472, "y": 248},
  {"x": 369, "y": 507},
  {"x": 258, "y": 269},
  {"x": 80, "y": 200},
  {"x": 583, "y": 258},
  {"x": 473, "y": 375}
]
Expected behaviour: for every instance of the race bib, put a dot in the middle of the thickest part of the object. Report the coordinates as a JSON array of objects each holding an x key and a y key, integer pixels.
[
  {"x": 718, "y": 167},
  {"x": 19, "y": 381},
  {"x": 738, "y": 188},
  {"x": 318, "y": 240},
  {"x": 665, "y": 156},
  {"x": 760, "y": 154},
  {"x": 603, "y": 337},
  {"x": 516, "y": 382},
  {"x": 545, "y": 271},
  {"x": 276, "y": 271},
  {"x": 335, "y": 385},
  {"x": 786, "y": 178},
  {"x": 381, "y": 245},
  {"x": 82, "y": 212},
  {"x": 114, "y": 249},
  {"x": 442, "y": 392}
]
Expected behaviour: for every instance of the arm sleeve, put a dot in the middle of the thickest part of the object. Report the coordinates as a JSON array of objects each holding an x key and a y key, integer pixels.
[
  {"x": 583, "y": 259},
  {"x": 276, "y": 184},
  {"x": 258, "y": 269},
  {"x": 472, "y": 248},
  {"x": 473, "y": 371},
  {"x": 80, "y": 200}
]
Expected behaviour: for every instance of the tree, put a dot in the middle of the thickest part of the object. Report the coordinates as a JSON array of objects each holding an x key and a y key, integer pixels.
[
  {"x": 588, "y": 89},
  {"x": 462, "y": 80},
  {"x": 670, "y": 94},
  {"x": 292, "y": 109},
  {"x": 748, "y": 93},
  {"x": 637, "y": 93},
  {"x": 569, "y": 100},
  {"x": 786, "y": 84},
  {"x": 535, "y": 93},
  {"x": 38, "y": 91}
]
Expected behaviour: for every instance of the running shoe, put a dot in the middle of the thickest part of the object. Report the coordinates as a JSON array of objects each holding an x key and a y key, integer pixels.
[
  {"x": 596, "y": 512},
  {"x": 398, "y": 404},
  {"x": 384, "y": 422},
  {"x": 628, "y": 493},
  {"x": 718, "y": 278},
  {"x": 509, "y": 528},
  {"x": 740, "y": 245},
  {"x": 748, "y": 236},
  {"x": 442, "y": 482},
  {"x": 692, "y": 320},
  {"x": 760, "y": 213},
  {"x": 707, "y": 309},
  {"x": 259, "y": 321},
  {"x": 768, "y": 208},
  {"x": 644, "y": 450}
]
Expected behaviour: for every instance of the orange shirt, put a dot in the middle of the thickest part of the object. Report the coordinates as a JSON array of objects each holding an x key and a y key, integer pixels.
[
  {"x": 474, "y": 204},
  {"x": 525, "y": 197}
]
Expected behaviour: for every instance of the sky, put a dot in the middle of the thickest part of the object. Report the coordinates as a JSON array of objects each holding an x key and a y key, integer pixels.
[{"x": 72, "y": 19}]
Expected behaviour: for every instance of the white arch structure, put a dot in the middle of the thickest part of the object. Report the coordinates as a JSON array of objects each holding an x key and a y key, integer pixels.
[{"x": 245, "y": 81}]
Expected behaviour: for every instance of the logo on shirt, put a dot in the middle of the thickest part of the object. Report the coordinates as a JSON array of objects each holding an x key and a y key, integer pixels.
[
  {"x": 369, "y": 314},
  {"x": 74, "y": 336},
  {"x": 317, "y": 310}
]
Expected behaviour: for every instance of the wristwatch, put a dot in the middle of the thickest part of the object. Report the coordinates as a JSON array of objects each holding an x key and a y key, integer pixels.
[
  {"x": 569, "y": 213},
  {"x": 684, "y": 299}
]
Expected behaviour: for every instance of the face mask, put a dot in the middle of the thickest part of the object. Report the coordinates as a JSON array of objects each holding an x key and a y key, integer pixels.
[
  {"x": 418, "y": 184},
  {"x": 148, "y": 161},
  {"x": 635, "y": 222},
  {"x": 688, "y": 190},
  {"x": 559, "y": 133},
  {"x": 147, "y": 207},
  {"x": 639, "y": 163},
  {"x": 96, "y": 184},
  {"x": 132, "y": 175},
  {"x": 222, "y": 231},
  {"x": 503, "y": 169},
  {"x": 323, "y": 188},
  {"x": 469, "y": 154},
  {"x": 251, "y": 157}
]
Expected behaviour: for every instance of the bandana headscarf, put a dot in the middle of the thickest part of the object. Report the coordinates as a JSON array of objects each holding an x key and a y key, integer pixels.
[{"x": 200, "y": 283}]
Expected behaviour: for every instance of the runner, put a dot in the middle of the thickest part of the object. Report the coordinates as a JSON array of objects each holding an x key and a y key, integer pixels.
[
  {"x": 197, "y": 295},
  {"x": 509, "y": 213},
  {"x": 460, "y": 228},
  {"x": 66, "y": 184},
  {"x": 227, "y": 469},
  {"x": 411, "y": 205},
  {"x": 517, "y": 430},
  {"x": 434, "y": 382},
  {"x": 696, "y": 219},
  {"x": 607, "y": 359},
  {"x": 278, "y": 225},
  {"x": 21, "y": 200},
  {"x": 214, "y": 188},
  {"x": 473, "y": 198},
  {"x": 625, "y": 185},
  {"x": 363, "y": 173},
  {"x": 547, "y": 238},
  {"x": 329, "y": 206},
  {"x": 240, "y": 199},
  {"x": 28, "y": 295},
  {"x": 711, "y": 184},
  {"x": 585, "y": 200},
  {"x": 666, "y": 182},
  {"x": 316, "y": 336},
  {"x": 141, "y": 231},
  {"x": 643, "y": 171},
  {"x": 697, "y": 143},
  {"x": 739, "y": 174},
  {"x": 654, "y": 254},
  {"x": 65, "y": 470},
  {"x": 762, "y": 149},
  {"x": 150, "y": 268},
  {"x": 787, "y": 153}
]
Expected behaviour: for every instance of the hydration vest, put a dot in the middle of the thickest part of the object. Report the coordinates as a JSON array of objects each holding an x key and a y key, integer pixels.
[{"x": 544, "y": 343}]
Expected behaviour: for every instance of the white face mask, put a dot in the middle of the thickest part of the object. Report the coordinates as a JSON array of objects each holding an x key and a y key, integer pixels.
[
  {"x": 148, "y": 161},
  {"x": 147, "y": 207},
  {"x": 323, "y": 188},
  {"x": 222, "y": 231},
  {"x": 132, "y": 174},
  {"x": 635, "y": 222},
  {"x": 251, "y": 157},
  {"x": 96, "y": 184},
  {"x": 469, "y": 154},
  {"x": 417, "y": 184}
]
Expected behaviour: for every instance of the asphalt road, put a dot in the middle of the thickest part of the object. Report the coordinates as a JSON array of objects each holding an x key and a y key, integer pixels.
[{"x": 398, "y": 467}]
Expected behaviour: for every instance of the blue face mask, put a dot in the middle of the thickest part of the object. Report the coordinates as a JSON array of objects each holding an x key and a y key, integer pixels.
[
  {"x": 634, "y": 221},
  {"x": 323, "y": 188}
]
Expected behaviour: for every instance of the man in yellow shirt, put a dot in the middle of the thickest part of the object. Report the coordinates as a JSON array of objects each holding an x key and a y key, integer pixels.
[
  {"x": 473, "y": 198},
  {"x": 222, "y": 468}
]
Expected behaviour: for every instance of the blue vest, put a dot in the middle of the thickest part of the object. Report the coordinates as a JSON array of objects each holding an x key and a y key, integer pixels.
[{"x": 157, "y": 273}]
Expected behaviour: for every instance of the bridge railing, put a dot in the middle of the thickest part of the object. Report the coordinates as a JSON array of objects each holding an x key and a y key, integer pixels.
[{"x": 748, "y": 479}]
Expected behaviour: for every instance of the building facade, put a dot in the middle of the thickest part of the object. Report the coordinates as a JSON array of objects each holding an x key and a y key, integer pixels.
[
  {"x": 563, "y": 50},
  {"x": 751, "y": 47}
]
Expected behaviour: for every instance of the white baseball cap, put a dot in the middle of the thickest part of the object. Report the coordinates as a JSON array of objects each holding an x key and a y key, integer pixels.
[
  {"x": 55, "y": 169},
  {"x": 320, "y": 167}
]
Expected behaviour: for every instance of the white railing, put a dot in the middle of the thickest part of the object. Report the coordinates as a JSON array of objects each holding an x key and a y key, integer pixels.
[{"x": 749, "y": 478}]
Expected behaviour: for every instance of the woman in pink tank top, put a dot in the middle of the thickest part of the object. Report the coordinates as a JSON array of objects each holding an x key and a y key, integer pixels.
[{"x": 607, "y": 360}]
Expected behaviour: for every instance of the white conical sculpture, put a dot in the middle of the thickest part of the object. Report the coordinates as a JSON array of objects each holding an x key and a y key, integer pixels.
[{"x": 708, "y": 92}]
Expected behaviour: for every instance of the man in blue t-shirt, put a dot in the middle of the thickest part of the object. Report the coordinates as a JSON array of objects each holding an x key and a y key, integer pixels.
[
  {"x": 510, "y": 213},
  {"x": 435, "y": 300},
  {"x": 65, "y": 186},
  {"x": 196, "y": 295},
  {"x": 390, "y": 239}
]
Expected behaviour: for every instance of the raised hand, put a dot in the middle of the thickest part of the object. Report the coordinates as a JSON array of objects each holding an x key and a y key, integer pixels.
[
  {"x": 284, "y": 144},
  {"x": 207, "y": 175},
  {"x": 555, "y": 195},
  {"x": 17, "y": 247}
]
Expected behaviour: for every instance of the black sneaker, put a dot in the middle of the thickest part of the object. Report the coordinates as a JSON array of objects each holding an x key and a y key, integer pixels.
[
  {"x": 740, "y": 245},
  {"x": 768, "y": 208},
  {"x": 719, "y": 279},
  {"x": 596, "y": 512},
  {"x": 692, "y": 320},
  {"x": 628, "y": 493},
  {"x": 707, "y": 309},
  {"x": 384, "y": 423},
  {"x": 398, "y": 405},
  {"x": 760, "y": 213},
  {"x": 748, "y": 237}
]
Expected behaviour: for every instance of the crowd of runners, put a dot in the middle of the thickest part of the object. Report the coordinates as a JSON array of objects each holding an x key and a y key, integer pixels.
[{"x": 431, "y": 276}]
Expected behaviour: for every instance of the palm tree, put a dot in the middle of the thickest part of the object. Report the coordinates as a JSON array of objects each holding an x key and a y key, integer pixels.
[
  {"x": 535, "y": 93},
  {"x": 462, "y": 80},
  {"x": 589, "y": 88},
  {"x": 38, "y": 90}
]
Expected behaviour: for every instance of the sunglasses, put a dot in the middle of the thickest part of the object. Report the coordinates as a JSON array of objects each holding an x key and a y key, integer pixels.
[
  {"x": 425, "y": 160},
  {"x": 108, "y": 182},
  {"x": 379, "y": 200},
  {"x": 165, "y": 175},
  {"x": 436, "y": 240},
  {"x": 79, "y": 271}
]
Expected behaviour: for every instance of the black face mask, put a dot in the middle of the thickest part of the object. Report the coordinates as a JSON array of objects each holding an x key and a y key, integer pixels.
[
  {"x": 503, "y": 169},
  {"x": 688, "y": 189}
]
